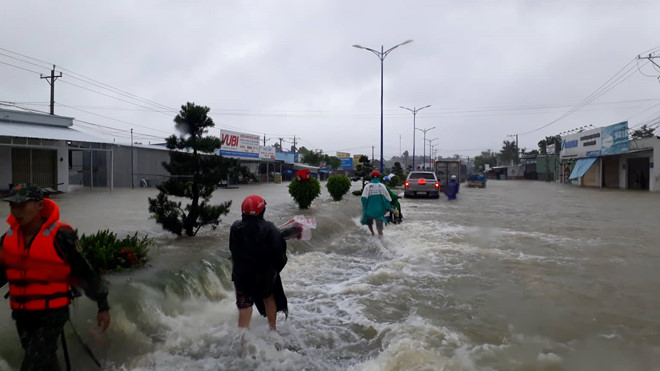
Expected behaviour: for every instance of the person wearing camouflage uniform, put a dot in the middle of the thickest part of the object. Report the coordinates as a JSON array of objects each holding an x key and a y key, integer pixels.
[{"x": 41, "y": 289}]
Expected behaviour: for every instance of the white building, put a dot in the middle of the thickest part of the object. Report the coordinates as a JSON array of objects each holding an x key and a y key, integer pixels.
[
  {"x": 45, "y": 150},
  {"x": 591, "y": 161}
]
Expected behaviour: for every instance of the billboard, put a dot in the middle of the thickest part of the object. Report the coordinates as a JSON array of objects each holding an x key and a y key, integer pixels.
[
  {"x": 356, "y": 160},
  {"x": 343, "y": 155},
  {"x": 583, "y": 144},
  {"x": 615, "y": 139},
  {"x": 608, "y": 140},
  {"x": 267, "y": 152},
  {"x": 346, "y": 163},
  {"x": 241, "y": 145}
]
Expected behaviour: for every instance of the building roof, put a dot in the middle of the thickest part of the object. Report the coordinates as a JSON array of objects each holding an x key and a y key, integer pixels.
[
  {"x": 46, "y": 132},
  {"x": 22, "y": 117},
  {"x": 41, "y": 126}
]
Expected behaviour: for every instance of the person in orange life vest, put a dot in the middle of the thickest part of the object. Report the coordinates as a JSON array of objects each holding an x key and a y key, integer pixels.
[
  {"x": 258, "y": 255},
  {"x": 42, "y": 263}
]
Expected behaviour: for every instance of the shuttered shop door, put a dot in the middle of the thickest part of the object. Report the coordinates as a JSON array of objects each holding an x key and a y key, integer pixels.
[
  {"x": 38, "y": 166},
  {"x": 20, "y": 165},
  {"x": 44, "y": 167}
]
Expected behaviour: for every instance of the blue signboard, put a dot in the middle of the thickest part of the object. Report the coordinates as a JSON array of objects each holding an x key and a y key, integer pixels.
[
  {"x": 614, "y": 139},
  {"x": 346, "y": 163},
  {"x": 290, "y": 157}
]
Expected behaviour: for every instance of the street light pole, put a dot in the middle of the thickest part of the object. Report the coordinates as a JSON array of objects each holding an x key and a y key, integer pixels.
[
  {"x": 431, "y": 149},
  {"x": 431, "y": 146},
  {"x": 381, "y": 55},
  {"x": 425, "y": 130},
  {"x": 414, "y": 112}
]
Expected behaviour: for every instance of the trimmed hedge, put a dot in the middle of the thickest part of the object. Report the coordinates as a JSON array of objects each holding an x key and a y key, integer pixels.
[
  {"x": 305, "y": 191},
  {"x": 338, "y": 186}
]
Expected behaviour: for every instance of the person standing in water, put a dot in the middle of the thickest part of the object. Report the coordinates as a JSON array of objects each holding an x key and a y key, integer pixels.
[
  {"x": 396, "y": 215},
  {"x": 258, "y": 255},
  {"x": 375, "y": 203},
  {"x": 41, "y": 261},
  {"x": 452, "y": 188}
]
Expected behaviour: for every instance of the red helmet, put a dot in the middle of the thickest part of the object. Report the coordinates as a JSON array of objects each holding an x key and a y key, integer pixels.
[
  {"x": 375, "y": 174},
  {"x": 253, "y": 205}
]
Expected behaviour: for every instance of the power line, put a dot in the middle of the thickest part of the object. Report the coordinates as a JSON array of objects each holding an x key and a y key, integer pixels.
[
  {"x": 24, "y": 61},
  {"x": 27, "y": 56},
  {"x": 20, "y": 68},
  {"x": 118, "y": 91},
  {"x": 110, "y": 96},
  {"x": 87, "y": 80},
  {"x": 113, "y": 119},
  {"x": 612, "y": 82}
]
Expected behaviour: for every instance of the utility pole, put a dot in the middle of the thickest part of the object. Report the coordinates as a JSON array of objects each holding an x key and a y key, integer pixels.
[
  {"x": 372, "y": 153},
  {"x": 650, "y": 57},
  {"x": 517, "y": 148},
  {"x": 132, "y": 170},
  {"x": 52, "y": 78},
  {"x": 281, "y": 139},
  {"x": 269, "y": 139}
]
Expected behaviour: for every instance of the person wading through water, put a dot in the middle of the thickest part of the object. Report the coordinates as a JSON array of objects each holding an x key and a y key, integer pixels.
[
  {"x": 375, "y": 203},
  {"x": 41, "y": 260},
  {"x": 258, "y": 255}
]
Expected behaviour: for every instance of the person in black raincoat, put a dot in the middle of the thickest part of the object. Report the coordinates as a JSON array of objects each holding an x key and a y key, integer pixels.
[{"x": 258, "y": 254}]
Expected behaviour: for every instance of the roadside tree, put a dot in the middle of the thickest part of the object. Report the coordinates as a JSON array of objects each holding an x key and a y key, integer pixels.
[{"x": 195, "y": 171}]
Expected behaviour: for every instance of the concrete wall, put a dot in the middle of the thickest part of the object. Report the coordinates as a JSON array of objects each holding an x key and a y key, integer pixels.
[
  {"x": 147, "y": 164},
  {"x": 5, "y": 167}
]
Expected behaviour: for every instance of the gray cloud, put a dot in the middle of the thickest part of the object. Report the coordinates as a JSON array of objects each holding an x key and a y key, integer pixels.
[{"x": 287, "y": 68}]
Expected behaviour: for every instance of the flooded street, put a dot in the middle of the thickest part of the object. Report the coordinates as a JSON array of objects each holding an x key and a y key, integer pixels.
[{"x": 516, "y": 276}]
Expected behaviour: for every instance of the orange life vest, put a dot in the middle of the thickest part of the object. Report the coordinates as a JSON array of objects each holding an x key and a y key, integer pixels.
[{"x": 38, "y": 277}]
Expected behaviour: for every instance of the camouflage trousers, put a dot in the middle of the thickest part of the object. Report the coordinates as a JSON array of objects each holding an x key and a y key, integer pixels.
[{"x": 39, "y": 332}]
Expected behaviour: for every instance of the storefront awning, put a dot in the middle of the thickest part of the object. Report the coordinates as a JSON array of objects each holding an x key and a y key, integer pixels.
[{"x": 581, "y": 167}]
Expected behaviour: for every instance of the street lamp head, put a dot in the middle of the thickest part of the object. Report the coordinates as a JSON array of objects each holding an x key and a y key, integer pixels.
[
  {"x": 358, "y": 46},
  {"x": 427, "y": 106},
  {"x": 406, "y": 42}
]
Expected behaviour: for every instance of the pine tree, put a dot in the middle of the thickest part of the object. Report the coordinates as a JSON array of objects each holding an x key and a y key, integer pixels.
[{"x": 195, "y": 171}]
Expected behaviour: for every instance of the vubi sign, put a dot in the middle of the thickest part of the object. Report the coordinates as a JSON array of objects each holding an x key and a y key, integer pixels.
[{"x": 239, "y": 144}]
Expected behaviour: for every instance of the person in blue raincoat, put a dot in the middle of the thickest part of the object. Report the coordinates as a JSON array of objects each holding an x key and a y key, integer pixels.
[
  {"x": 452, "y": 188},
  {"x": 376, "y": 201}
]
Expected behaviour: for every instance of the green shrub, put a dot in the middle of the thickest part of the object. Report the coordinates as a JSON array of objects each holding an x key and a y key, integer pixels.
[
  {"x": 357, "y": 192},
  {"x": 305, "y": 191},
  {"x": 396, "y": 181},
  {"x": 338, "y": 186},
  {"x": 107, "y": 253}
]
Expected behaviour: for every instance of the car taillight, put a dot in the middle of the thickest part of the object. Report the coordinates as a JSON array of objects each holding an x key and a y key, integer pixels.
[
  {"x": 437, "y": 185},
  {"x": 421, "y": 181},
  {"x": 406, "y": 184}
]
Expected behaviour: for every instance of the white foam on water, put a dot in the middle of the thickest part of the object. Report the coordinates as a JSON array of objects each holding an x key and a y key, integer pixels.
[{"x": 413, "y": 344}]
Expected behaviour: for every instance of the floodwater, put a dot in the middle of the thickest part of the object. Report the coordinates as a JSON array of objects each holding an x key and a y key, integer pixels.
[{"x": 516, "y": 276}]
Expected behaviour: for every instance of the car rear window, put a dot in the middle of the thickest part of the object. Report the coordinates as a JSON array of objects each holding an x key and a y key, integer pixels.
[{"x": 422, "y": 175}]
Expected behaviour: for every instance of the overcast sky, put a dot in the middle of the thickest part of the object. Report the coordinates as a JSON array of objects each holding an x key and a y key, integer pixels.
[{"x": 282, "y": 68}]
